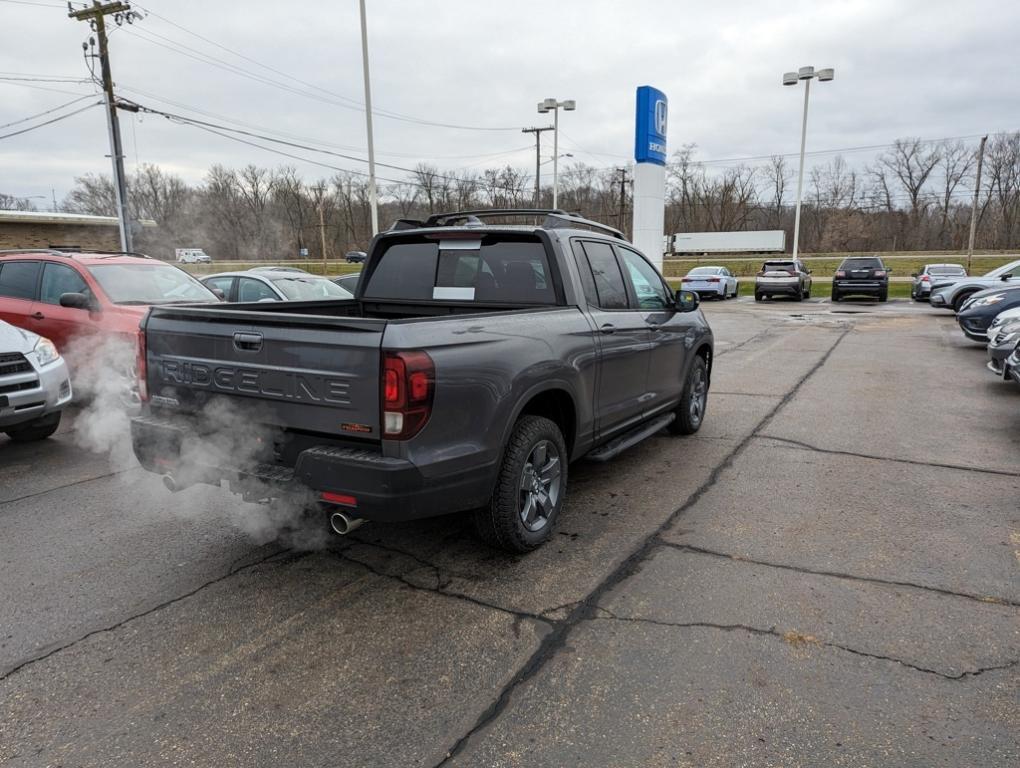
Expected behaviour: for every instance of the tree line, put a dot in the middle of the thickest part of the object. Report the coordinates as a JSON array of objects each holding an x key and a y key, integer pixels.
[{"x": 915, "y": 195}]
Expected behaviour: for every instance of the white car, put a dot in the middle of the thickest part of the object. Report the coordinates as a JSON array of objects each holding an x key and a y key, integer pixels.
[
  {"x": 34, "y": 384},
  {"x": 711, "y": 281}
]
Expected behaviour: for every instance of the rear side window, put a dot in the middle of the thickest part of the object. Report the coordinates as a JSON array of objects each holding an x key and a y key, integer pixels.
[
  {"x": 59, "y": 279},
  {"x": 609, "y": 285},
  {"x": 249, "y": 289},
  {"x": 491, "y": 269},
  {"x": 861, "y": 264},
  {"x": 18, "y": 279}
]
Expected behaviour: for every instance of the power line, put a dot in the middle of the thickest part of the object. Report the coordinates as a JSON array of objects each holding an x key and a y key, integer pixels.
[
  {"x": 33, "y": 2},
  {"x": 295, "y": 145},
  {"x": 50, "y": 122},
  {"x": 310, "y": 140},
  {"x": 47, "y": 112}
]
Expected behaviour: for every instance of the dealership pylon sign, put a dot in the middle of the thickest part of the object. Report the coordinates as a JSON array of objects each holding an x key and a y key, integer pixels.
[{"x": 650, "y": 172}]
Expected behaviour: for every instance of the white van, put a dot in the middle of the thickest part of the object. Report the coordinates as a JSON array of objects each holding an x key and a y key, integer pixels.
[{"x": 192, "y": 256}]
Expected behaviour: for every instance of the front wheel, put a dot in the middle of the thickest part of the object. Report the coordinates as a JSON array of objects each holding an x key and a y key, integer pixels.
[
  {"x": 530, "y": 488},
  {"x": 694, "y": 400}
]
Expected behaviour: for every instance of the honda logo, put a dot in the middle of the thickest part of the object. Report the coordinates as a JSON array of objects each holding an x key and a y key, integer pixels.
[{"x": 660, "y": 117}]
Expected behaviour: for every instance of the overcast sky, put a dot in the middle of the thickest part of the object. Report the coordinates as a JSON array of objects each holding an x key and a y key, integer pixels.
[{"x": 903, "y": 68}]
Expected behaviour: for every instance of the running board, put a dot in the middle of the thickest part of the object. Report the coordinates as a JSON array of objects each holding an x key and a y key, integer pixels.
[{"x": 618, "y": 445}]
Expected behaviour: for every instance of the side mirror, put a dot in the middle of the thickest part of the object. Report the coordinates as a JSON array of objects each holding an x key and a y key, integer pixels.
[
  {"x": 1006, "y": 277},
  {"x": 76, "y": 301},
  {"x": 913, "y": 274},
  {"x": 219, "y": 294},
  {"x": 807, "y": 271},
  {"x": 686, "y": 301}
]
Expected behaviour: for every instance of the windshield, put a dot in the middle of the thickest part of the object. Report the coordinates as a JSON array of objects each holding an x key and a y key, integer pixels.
[
  {"x": 704, "y": 271},
  {"x": 947, "y": 270},
  {"x": 310, "y": 288},
  {"x": 1000, "y": 271},
  {"x": 149, "y": 284}
]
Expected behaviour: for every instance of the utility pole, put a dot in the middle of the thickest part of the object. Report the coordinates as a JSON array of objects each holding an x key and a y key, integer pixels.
[
  {"x": 623, "y": 194},
  {"x": 974, "y": 207},
  {"x": 373, "y": 194},
  {"x": 322, "y": 228},
  {"x": 538, "y": 160},
  {"x": 96, "y": 16}
]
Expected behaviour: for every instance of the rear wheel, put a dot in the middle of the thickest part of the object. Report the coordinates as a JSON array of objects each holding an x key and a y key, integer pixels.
[
  {"x": 836, "y": 297},
  {"x": 757, "y": 296},
  {"x": 694, "y": 400},
  {"x": 530, "y": 488},
  {"x": 884, "y": 295},
  {"x": 799, "y": 295},
  {"x": 39, "y": 429}
]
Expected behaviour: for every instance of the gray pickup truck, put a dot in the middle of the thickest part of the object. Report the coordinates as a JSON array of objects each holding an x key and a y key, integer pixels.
[{"x": 475, "y": 362}]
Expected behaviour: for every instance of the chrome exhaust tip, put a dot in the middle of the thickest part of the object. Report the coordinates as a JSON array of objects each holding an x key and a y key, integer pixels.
[
  {"x": 171, "y": 483},
  {"x": 343, "y": 524}
]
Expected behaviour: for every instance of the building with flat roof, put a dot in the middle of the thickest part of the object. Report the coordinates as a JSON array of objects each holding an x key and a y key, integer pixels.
[{"x": 42, "y": 229}]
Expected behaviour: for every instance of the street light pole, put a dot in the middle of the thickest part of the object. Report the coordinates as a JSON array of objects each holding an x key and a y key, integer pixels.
[
  {"x": 807, "y": 74},
  {"x": 372, "y": 192},
  {"x": 552, "y": 105}
]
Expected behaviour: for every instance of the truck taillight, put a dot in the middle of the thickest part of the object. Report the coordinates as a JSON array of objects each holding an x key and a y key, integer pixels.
[
  {"x": 840, "y": 273},
  {"x": 141, "y": 371},
  {"x": 879, "y": 273},
  {"x": 408, "y": 382}
]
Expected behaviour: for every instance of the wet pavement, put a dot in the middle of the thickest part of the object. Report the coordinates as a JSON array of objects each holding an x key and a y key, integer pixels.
[{"x": 827, "y": 574}]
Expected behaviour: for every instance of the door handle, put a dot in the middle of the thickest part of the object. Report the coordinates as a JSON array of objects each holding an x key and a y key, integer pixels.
[
  {"x": 248, "y": 342},
  {"x": 654, "y": 327},
  {"x": 38, "y": 316},
  {"x": 608, "y": 328}
]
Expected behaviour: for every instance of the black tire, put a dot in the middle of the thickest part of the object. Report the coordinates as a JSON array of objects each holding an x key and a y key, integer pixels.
[
  {"x": 807, "y": 294},
  {"x": 690, "y": 413},
  {"x": 502, "y": 523},
  {"x": 836, "y": 298},
  {"x": 958, "y": 301},
  {"x": 757, "y": 296},
  {"x": 39, "y": 429},
  {"x": 799, "y": 296},
  {"x": 883, "y": 296}
]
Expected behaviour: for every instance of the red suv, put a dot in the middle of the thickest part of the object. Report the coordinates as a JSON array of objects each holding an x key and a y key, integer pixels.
[{"x": 78, "y": 300}]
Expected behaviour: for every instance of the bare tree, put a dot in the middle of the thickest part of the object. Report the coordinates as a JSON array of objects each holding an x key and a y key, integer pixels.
[{"x": 12, "y": 203}]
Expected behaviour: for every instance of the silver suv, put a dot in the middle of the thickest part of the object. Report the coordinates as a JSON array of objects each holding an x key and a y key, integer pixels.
[
  {"x": 783, "y": 277},
  {"x": 34, "y": 385}
]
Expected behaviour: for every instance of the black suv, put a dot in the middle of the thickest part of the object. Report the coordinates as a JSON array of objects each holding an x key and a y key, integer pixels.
[{"x": 861, "y": 276}]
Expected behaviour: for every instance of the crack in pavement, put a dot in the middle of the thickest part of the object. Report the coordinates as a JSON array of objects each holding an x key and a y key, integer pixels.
[
  {"x": 122, "y": 622},
  {"x": 915, "y": 462},
  {"x": 986, "y": 599},
  {"x": 439, "y": 589},
  {"x": 794, "y": 638},
  {"x": 749, "y": 340},
  {"x": 555, "y": 640},
  {"x": 67, "y": 485}
]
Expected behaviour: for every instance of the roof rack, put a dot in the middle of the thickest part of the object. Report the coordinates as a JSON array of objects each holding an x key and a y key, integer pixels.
[
  {"x": 68, "y": 250},
  {"x": 555, "y": 218}
]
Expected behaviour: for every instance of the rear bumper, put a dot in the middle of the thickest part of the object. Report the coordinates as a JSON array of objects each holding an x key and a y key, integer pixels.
[
  {"x": 861, "y": 288},
  {"x": 791, "y": 288},
  {"x": 383, "y": 488}
]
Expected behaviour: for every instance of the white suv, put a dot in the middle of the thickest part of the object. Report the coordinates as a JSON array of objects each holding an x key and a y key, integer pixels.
[{"x": 783, "y": 277}]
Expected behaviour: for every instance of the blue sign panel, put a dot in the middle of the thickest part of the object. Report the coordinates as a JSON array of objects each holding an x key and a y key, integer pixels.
[{"x": 650, "y": 133}]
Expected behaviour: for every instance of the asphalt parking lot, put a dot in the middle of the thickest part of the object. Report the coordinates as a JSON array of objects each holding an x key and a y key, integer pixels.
[{"x": 827, "y": 574}]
